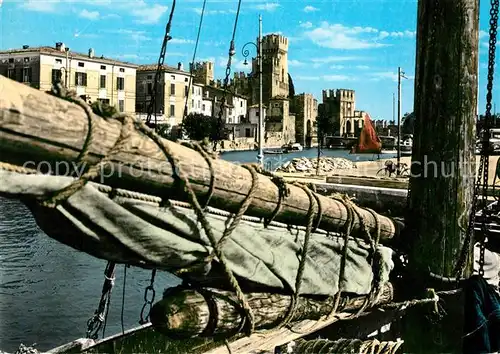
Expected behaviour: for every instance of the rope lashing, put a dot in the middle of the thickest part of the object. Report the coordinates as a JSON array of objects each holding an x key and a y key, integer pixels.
[
  {"x": 303, "y": 259},
  {"x": 60, "y": 91},
  {"x": 208, "y": 159},
  {"x": 93, "y": 171},
  {"x": 283, "y": 192}
]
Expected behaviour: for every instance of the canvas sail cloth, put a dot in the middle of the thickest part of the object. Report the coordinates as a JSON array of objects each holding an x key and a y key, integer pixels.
[
  {"x": 368, "y": 142},
  {"x": 139, "y": 232}
]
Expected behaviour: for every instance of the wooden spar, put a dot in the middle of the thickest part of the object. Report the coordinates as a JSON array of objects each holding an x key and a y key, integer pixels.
[
  {"x": 37, "y": 128},
  {"x": 187, "y": 313},
  {"x": 443, "y": 157}
]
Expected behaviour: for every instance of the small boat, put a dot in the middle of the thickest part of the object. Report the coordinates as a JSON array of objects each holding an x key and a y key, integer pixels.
[
  {"x": 292, "y": 147},
  {"x": 274, "y": 152}
]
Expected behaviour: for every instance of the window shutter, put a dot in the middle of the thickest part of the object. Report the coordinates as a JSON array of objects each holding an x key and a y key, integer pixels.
[
  {"x": 30, "y": 72},
  {"x": 85, "y": 79},
  {"x": 76, "y": 79}
]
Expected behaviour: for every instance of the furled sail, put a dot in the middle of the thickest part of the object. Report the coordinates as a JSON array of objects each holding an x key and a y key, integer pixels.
[
  {"x": 131, "y": 228},
  {"x": 368, "y": 142}
]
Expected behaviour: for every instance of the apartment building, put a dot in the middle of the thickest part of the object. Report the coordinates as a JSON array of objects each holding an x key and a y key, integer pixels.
[
  {"x": 93, "y": 78},
  {"x": 173, "y": 94},
  {"x": 235, "y": 108}
]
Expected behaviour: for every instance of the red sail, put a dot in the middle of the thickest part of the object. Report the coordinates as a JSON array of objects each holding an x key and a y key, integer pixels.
[{"x": 368, "y": 141}]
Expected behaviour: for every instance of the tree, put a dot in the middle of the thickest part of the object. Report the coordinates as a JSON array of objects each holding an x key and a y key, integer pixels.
[
  {"x": 291, "y": 87},
  {"x": 198, "y": 127},
  {"x": 408, "y": 123}
]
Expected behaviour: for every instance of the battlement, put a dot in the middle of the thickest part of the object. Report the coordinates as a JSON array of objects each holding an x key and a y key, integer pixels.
[
  {"x": 274, "y": 42},
  {"x": 339, "y": 95}
]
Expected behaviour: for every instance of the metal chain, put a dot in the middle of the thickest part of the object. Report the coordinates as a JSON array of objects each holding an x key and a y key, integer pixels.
[
  {"x": 485, "y": 154},
  {"x": 159, "y": 69},
  {"x": 488, "y": 121},
  {"x": 95, "y": 323},
  {"x": 232, "y": 52},
  {"x": 148, "y": 302}
]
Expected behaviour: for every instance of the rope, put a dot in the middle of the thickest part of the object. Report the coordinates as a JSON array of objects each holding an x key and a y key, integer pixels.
[
  {"x": 191, "y": 68},
  {"x": 283, "y": 192},
  {"x": 208, "y": 158},
  {"x": 324, "y": 346},
  {"x": 298, "y": 280}
]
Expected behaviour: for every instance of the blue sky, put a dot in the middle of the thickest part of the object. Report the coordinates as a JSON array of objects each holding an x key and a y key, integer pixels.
[{"x": 354, "y": 44}]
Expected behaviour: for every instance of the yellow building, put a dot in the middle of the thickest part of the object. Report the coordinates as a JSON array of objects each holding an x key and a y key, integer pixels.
[
  {"x": 93, "y": 78},
  {"x": 172, "y": 92}
]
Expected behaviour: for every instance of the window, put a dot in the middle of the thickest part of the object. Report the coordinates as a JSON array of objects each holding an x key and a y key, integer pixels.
[
  {"x": 230, "y": 111},
  {"x": 150, "y": 77},
  {"x": 102, "y": 83},
  {"x": 192, "y": 90},
  {"x": 58, "y": 61},
  {"x": 186, "y": 79},
  {"x": 103, "y": 67},
  {"x": 122, "y": 70},
  {"x": 172, "y": 110},
  {"x": 247, "y": 133},
  {"x": 257, "y": 113},
  {"x": 192, "y": 103},
  {"x": 81, "y": 79},
  {"x": 11, "y": 60},
  {"x": 26, "y": 60},
  {"x": 199, "y": 104},
  {"x": 241, "y": 103},
  {"x": 80, "y": 64},
  {"x": 172, "y": 89},
  {"x": 186, "y": 91},
  {"x": 120, "y": 83},
  {"x": 104, "y": 100},
  {"x": 56, "y": 76},
  {"x": 26, "y": 74},
  {"x": 203, "y": 107},
  {"x": 172, "y": 77},
  {"x": 11, "y": 74},
  {"x": 121, "y": 105},
  {"x": 150, "y": 88}
]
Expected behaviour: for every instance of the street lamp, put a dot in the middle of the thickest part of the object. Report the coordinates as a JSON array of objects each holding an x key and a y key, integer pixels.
[
  {"x": 401, "y": 74},
  {"x": 246, "y": 53}
]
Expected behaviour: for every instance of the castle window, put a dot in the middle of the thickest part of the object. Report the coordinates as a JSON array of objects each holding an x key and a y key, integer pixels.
[
  {"x": 122, "y": 70},
  {"x": 103, "y": 67},
  {"x": 81, "y": 65},
  {"x": 58, "y": 61}
]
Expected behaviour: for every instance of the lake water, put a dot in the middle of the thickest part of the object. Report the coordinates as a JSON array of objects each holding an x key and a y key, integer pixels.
[{"x": 48, "y": 290}]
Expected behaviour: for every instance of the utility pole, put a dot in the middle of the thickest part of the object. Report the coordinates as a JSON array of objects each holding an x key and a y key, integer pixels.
[
  {"x": 66, "y": 70},
  {"x": 393, "y": 107},
  {"x": 260, "y": 156},
  {"x": 399, "y": 122}
]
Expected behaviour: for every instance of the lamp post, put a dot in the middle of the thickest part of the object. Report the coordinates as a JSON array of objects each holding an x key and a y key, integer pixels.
[
  {"x": 401, "y": 74},
  {"x": 245, "y": 52}
]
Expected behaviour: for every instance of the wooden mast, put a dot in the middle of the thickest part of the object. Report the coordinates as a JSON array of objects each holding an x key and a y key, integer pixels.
[{"x": 443, "y": 166}]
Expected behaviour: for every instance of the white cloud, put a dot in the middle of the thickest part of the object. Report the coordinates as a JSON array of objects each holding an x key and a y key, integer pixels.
[
  {"x": 198, "y": 10},
  {"x": 337, "y": 67},
  {"x": 40, "y": 5},
  {"x": 293, "y": 62},
  {"x": 90, "y": 15},
  {"x": 133, "y": 35},
  {"x": 1, "y": 1},
  {"x": 333, "y": 59},
  {"x": 362, "y": 67},
  {"x": 337, "y": 36},
  {"x": 267, "y": 6},
  {"x": 310, "y": 9},
  {"x": 388, "y": 75},
  {"x": 483, "y": 34},
  {"x": 148, "y": 14},
  {"x": 338, "y": 78},
  {"x": 181, "y": 41},
  {"x": 307, "y": 78},
  {"x": 306, "y": 24},
  {"x": 397, "y": 34}
]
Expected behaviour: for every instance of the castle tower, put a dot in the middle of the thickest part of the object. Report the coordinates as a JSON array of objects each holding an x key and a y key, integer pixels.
[
  {"x": 203, "y": 73},
  {"x": 274, "y": 69},
  {"x": 340, "y": 105}
]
